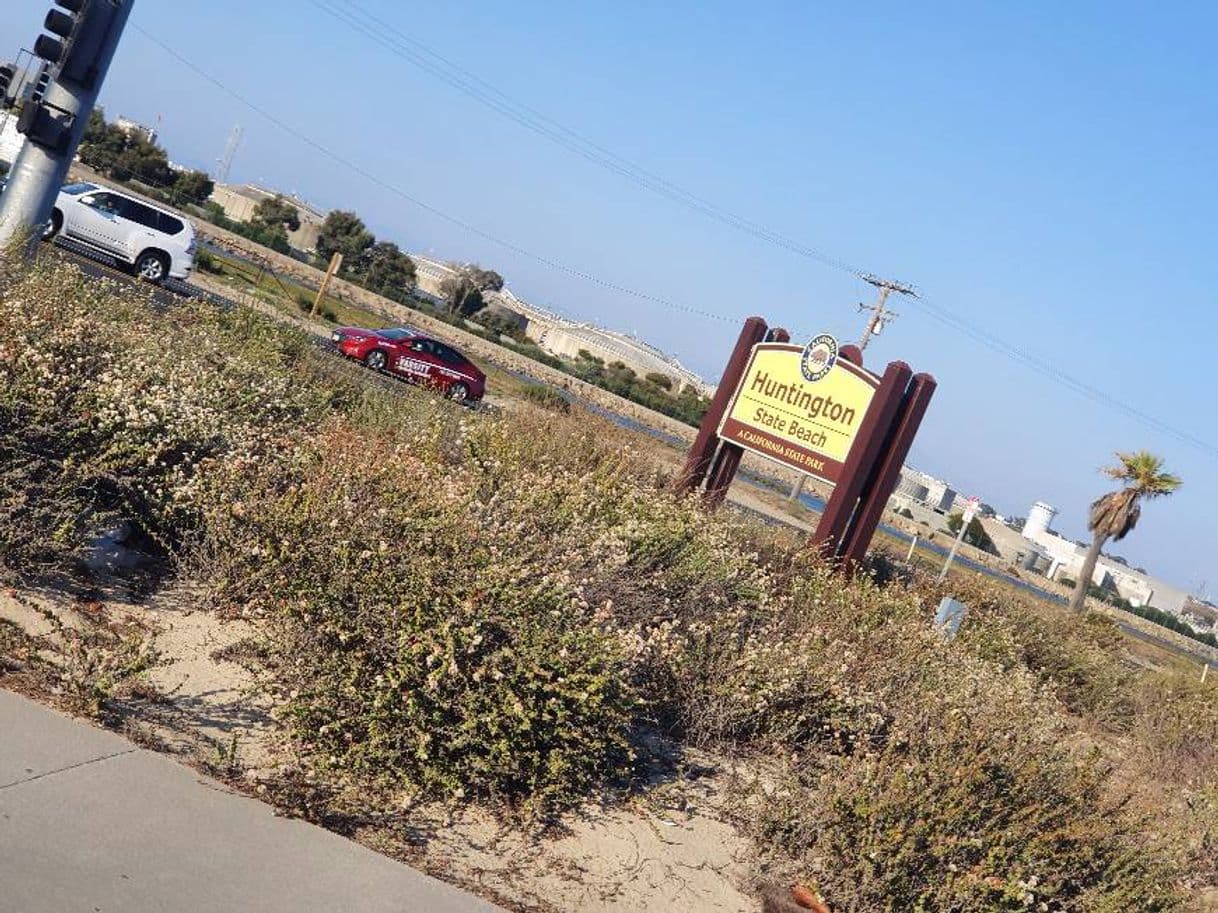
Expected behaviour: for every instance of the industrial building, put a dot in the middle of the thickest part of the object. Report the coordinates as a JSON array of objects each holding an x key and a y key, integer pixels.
[
  {"x": 925, "y": 489},
  {"x": 135, "y": 128},
  {"x": 239, "y": 201},
  {"x": 1065, "y": 559}
]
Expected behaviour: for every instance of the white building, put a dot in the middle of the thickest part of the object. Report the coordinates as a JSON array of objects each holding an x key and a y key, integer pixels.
[
  {"x": 10, "y": 140},
  {"x": 240, "y": 201},
  {"x": 1067, "y": 561},
  {"x": 1040, "y": 520},
  {"x": 936, "y": 494},
  {"x": 135, "y": 128}
]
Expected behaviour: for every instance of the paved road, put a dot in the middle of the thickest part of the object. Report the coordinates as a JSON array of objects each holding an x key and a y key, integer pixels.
[{"x": 91, "y": 823}]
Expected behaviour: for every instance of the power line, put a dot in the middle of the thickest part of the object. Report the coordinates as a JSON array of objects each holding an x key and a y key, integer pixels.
[
  {"x": 880, "y": 315},
  {"x": 394, "y": 40},
  {"x": 384, "y": 33},
  {"x": 931, "y": 308},
  {"x": 1047, "y": 369},
  {"x": 397, "y": 191}
]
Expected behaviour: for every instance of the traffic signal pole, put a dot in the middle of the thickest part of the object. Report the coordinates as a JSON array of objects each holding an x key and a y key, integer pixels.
[{"x": 54, "y": 126}]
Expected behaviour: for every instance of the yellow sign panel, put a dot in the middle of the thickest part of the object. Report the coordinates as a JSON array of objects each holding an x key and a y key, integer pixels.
[{"x": 808, "y": 424}]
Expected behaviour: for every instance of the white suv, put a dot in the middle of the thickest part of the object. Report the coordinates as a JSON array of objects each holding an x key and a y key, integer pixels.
[{"x": 159, "y": 244}]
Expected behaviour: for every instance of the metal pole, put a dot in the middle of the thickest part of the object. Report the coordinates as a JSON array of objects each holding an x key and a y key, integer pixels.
[
  {"x": 952, "y": 554},
  {"x": 797, "y": 489},
  {"x": 39, "y": 172},
  {"x": 912, "y": 546}
]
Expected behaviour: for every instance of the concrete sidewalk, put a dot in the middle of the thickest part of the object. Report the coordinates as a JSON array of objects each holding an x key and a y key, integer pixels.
[{"x": 91, "y": 823}]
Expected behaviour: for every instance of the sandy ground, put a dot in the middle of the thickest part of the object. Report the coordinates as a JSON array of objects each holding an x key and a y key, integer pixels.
[{"x": 666, "y": 849}]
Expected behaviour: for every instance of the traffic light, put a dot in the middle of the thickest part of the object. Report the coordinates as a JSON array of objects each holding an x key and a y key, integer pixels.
[
  {"x": 7, "y": 72},
  {"x": 80, "y": 35},
  {"x": 39, "y": 88}
]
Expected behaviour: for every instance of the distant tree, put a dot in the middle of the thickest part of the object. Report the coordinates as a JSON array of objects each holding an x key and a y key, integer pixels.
[
  {"x": 142, "y": 161},
  {"x": 619, "y": 370},
  {"x": 585, "y": 355},
  {"x": 484, "y": 280},
  {"x": 193, "y": 187},
  {"x": 276, "y": 212},
  {"x": 95, "y": 129},
  {"x": 461, "y": 295},
  {"x": 343, "y": 233},
  {"x": 1114, "y": 515},
  {"x": 975, "y": 535},
  {"x": 102, "y": 143},
  {"x": 386, "y": 270},
  {"x": 123, "y": 155},
  {"x": 660, "y": 380}
]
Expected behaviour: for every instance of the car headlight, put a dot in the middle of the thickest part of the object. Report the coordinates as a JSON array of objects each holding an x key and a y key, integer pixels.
[{"x": 337, "y": 337}]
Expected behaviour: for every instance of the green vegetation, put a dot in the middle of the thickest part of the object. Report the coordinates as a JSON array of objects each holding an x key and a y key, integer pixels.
[
  {"x": 285, "y": 294},
  {"x": 384, "y": 269},
  {"x": 123, "y": 155},
  {"x": 462, "y": 291},
  {"x": 343, "y": 233},
  {"x": 546, "y": 397},
  {"x": 276, "y": 216},
  {"x": 1169, "y": 621},
  {"x": 513, "y": 610}
]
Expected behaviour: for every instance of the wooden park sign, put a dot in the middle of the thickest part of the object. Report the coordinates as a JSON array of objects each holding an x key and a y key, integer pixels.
[{"x": 817, "y": 410}]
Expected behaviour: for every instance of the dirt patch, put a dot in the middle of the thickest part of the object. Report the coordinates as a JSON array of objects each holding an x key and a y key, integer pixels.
[
  {"x": 669, "y": 849},
  {"x": 215, "y": 697}
]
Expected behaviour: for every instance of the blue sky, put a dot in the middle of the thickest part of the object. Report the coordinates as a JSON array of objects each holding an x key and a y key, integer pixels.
[{"x": 1043, "y": 170}]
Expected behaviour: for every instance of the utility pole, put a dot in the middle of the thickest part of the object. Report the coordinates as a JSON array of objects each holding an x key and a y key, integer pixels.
[
  {"x": 230, "y": 151},
  {"x": 88, "y": 33},
  {"x": 880, "y": 315},
  {"x": 336, "y": 263}
]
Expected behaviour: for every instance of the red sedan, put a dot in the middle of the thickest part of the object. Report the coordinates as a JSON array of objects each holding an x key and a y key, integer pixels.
[{"x": 414, "y": 357}]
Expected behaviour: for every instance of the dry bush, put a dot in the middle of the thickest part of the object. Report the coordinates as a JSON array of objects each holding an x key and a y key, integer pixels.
[
  {"x": 495, "y": 607},
  {"x": 103, "y": 419}
]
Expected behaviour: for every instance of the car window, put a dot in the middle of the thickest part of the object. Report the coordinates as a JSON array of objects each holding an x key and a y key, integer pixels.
[
  {"x": 452, "y": 356},
  {"x": 396, "y": 334},
  {"x": 425, "y": 346},
  {"x": 77, "y": 189},
  {"x": 139, "y": 213},
  {"x": 170, "y": 225},
  {"x": 105, "y": 202}
]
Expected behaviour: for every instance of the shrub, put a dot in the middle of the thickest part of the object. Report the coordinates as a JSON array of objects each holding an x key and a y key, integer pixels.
[
  {"x": 422, "y": 648},
  {"x": 972, "y": 812},
  {"x": 206, "y": 262},
  {"x": 100, "y": 422},
  {"x": 546, "y": 397},
  {"x": 496, "y": 607}
]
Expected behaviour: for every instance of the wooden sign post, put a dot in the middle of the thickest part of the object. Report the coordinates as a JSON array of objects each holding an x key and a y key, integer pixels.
[{"x": 817, "y": 410}]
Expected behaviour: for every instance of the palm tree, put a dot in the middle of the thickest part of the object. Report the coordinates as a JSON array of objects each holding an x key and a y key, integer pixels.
[{"x": 1114, "y": 515}]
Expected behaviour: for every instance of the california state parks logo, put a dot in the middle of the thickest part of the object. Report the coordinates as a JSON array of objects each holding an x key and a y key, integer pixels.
[{"x": 820, "y": 355}]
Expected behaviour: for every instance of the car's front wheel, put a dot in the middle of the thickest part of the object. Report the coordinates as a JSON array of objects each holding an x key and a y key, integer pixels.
[
  {"x": 376, "y": 360},
  {"x": 458, "y": 392},
  {"x": 152, "y": 266}
]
